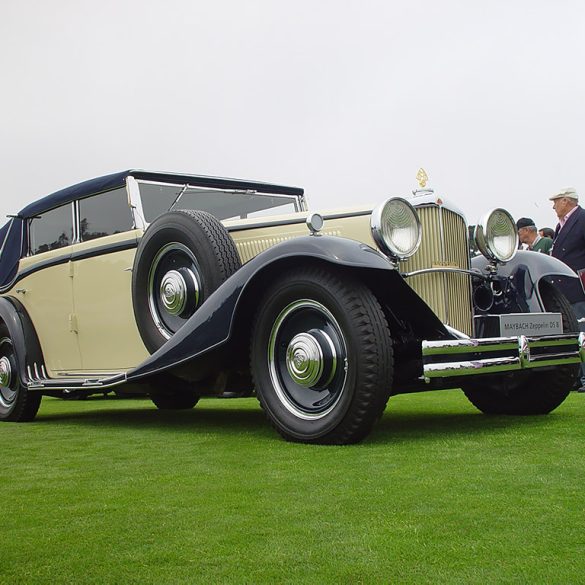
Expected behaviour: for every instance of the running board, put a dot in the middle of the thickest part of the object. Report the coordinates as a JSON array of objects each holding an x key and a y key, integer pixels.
[{"x": 38, "y": 380}]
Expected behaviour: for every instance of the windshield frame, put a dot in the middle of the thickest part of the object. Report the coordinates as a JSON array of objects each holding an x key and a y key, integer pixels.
[{"x": 138, "y": 203}]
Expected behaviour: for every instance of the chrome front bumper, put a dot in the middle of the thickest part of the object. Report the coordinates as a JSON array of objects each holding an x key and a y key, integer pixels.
[{"x": 470, "y": 357}]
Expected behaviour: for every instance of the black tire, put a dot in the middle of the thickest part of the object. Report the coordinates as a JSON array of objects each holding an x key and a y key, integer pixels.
[
  {"x": 170, "y": 393},
  {"x": 534, "y": 392},
  {"x": 328, "y": 401},
  {"x": 188, "y": 254},
  {"x": 17, "y": 403}
]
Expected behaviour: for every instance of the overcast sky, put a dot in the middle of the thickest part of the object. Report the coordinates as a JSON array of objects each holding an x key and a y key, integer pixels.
[{"x": 344, "y": 98}]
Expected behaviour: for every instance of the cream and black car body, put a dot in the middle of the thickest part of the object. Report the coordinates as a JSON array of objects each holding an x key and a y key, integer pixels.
[{"x": 182, "y": 286}]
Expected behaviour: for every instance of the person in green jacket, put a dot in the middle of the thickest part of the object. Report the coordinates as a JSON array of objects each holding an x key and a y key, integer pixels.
[{"x": 529, "y": 235}]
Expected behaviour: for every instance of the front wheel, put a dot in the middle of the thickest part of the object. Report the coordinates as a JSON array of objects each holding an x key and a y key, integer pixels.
[
  {"x": 321, "y": 357},
  {"x": 17, "y": 403},
  {"x": 534, "y": 392}
]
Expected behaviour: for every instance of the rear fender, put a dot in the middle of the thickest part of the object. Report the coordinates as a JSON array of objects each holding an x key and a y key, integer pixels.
[
  {"x": 24, "y": 337},
  {"x": 221, "y": 327}
]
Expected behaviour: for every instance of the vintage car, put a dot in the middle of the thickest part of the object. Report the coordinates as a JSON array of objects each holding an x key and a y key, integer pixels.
[{"x": 184, "y": 286}]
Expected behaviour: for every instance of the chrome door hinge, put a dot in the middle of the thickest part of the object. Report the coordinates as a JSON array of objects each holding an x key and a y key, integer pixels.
[{"x": 73, "y": 323}]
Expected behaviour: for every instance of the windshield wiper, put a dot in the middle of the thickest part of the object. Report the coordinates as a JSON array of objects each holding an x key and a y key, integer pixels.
[{"x": 178, "y": 197}]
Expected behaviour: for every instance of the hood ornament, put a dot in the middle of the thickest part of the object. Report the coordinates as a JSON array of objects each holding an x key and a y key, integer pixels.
[{"x": 422, "y": 178}]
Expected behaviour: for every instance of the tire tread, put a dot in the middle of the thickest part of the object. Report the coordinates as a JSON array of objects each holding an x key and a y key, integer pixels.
[{"x": 375, "y": 359}]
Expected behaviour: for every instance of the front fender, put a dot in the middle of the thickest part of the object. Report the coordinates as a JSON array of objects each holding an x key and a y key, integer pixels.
[
  {"x": 519, "y": 279},
  {"x": 211, "y": 326}
]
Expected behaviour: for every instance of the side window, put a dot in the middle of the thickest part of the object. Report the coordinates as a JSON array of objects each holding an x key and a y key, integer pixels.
[
  {"x": 51, "y": 230},
  {"x": 104, "y": 215}
]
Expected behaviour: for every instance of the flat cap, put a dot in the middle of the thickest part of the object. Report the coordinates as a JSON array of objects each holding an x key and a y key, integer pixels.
[
  {"x": 566, "y": 192},
  {"x": 525, "y": 222}
]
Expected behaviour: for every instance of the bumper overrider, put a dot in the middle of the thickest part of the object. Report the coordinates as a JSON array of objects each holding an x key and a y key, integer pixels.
[{"x": 470, "y": 357}]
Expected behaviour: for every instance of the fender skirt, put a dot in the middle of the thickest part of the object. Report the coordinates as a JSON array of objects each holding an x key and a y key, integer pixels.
[{"x": 212, "y": 326}]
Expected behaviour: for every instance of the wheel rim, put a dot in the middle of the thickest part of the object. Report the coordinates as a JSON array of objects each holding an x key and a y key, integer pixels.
[
  {"x": 307, "y": 359},
  {"x": 8, "y": 378},
  {"x": 174, "y": 288}
]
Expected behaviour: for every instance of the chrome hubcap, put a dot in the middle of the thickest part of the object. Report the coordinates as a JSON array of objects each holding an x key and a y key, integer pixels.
[
  {"x": 5, "y": 372},
  {"x": 174, "y": 287},
  {"x": 306, "y": 348},
  {"x": 304, "y": 360},
  {"x": 173, "y": 292}
]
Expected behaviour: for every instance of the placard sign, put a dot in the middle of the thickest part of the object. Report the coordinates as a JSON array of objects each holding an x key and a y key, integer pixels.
[{"x": 532, "y": 324}]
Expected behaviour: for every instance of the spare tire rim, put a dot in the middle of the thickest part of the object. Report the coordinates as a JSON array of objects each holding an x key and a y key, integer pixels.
[
  {"x": 174, "y": 287},
  {"x": 307, "y": 359}
]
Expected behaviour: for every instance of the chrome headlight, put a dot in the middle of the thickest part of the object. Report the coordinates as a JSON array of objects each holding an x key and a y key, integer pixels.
[
  {"x": 496, "y": 236},
  {"x": 396, "y": 228}
]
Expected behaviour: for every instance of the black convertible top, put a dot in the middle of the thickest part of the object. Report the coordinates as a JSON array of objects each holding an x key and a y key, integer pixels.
[
  {"x": 12, "y": 240},
  {"x": 108, "y": 182}
]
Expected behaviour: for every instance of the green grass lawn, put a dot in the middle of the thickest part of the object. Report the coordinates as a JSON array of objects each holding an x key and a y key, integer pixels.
[{"x": 115, "y": 491}]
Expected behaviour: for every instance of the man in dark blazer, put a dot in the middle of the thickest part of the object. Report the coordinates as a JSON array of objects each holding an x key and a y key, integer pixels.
[{"x": 569, "y": 246}]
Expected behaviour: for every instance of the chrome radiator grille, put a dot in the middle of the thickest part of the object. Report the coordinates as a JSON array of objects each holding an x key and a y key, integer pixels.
[{"x": 444, "y": 244}]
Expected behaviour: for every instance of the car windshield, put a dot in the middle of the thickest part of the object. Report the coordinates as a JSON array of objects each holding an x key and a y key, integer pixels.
[{"x": 158, "y": 198}]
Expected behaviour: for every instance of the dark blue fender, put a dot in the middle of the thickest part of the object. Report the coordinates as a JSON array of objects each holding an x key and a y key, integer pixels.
[
  {"x": 519, "y": 280},
  {"x": 24, "y": 337},
  {"x": 212, "y": 326}
]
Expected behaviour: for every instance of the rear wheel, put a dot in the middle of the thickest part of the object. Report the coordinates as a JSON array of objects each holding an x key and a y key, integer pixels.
[
  {"x": 17, "y": 403},
  {"x": 535, "y": 392},
  {"x": 321, "y": 357},
  {"x": 170, "y": 393}
]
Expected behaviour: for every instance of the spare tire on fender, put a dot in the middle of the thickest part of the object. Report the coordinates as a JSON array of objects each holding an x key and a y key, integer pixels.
[{"x": 183, "y": 257}]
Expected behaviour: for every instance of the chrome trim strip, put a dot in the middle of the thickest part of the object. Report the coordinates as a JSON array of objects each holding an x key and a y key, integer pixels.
[
  {"x": 443, "y": 259},
  {"x": 75, "y": 218},
  {"x": 493, "y": 365},
  {"x": 265, "y": 223},
  {"x": 564, "y": 350},
  {"x": 445, "y": 269},
  {"x": 79, "y": 384},
  {"x": 347, "y": 214},
  {"x": 582, "y": 346},
  {"x": 454, "y": 346},
  {"x": 200, "y": 187},
  {"x": 81, "y": 255},
  {"x": 431, "y": 200},
  {"x": 455, "y": 332}
]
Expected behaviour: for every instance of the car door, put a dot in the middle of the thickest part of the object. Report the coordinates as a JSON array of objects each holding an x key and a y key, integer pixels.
[
  {"x": 102, "y": 284},
  {"x": 45, "y": 288}
]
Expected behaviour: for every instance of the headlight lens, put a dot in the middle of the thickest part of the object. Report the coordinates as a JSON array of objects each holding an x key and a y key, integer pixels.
[
  {"x": 496, "y": 236},
  {"x": 396, "y": 228}
]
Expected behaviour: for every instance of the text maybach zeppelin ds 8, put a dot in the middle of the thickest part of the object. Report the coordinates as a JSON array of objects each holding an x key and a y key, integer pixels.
[{"x": 182, "y": 286}]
